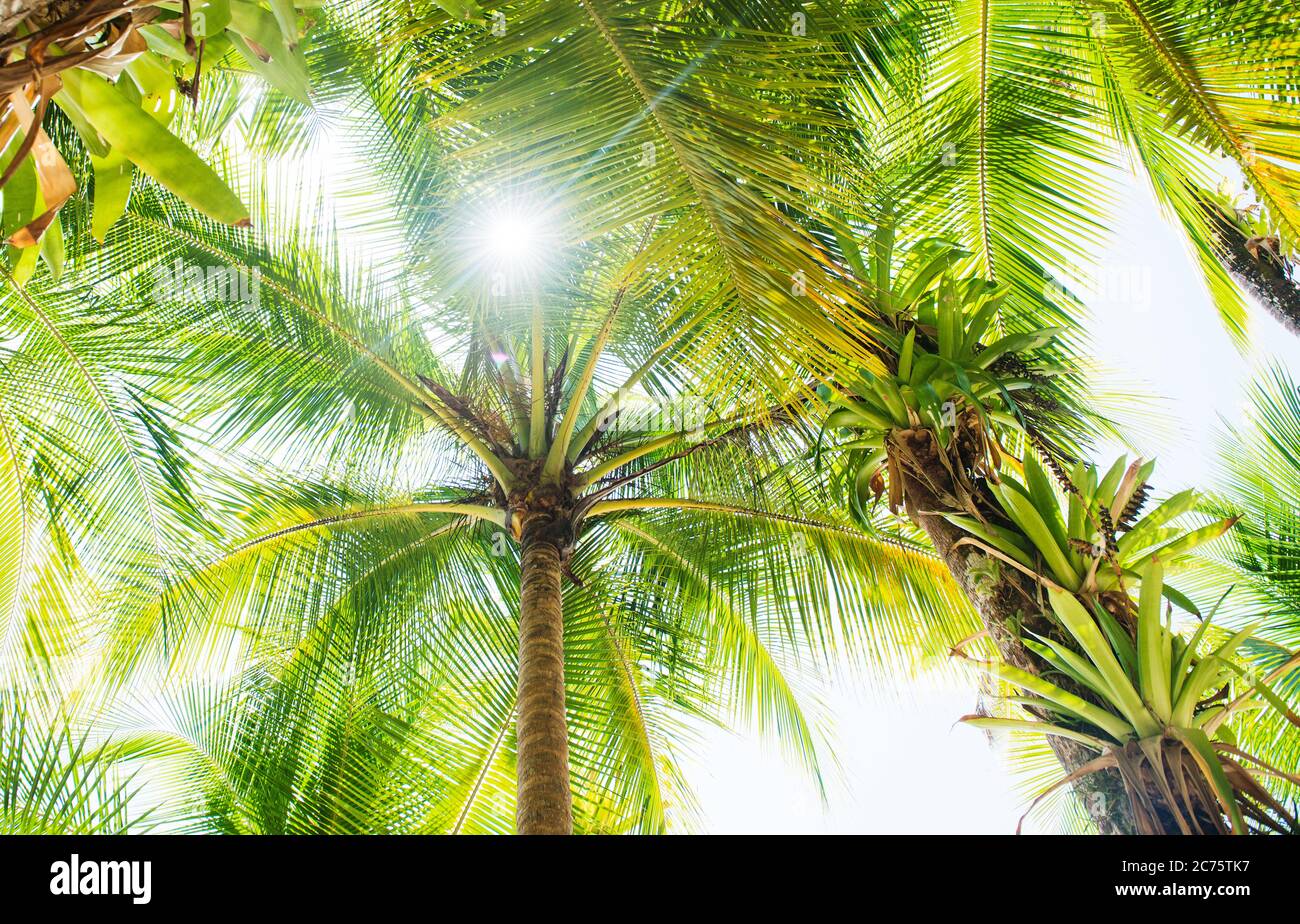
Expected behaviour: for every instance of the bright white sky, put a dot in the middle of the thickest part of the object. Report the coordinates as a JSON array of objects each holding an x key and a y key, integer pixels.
[{"x": 905, "y": 768}]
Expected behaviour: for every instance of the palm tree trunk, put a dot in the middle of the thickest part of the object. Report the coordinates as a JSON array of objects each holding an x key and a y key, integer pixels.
[
  {"x": 1257, "y": 267},
  {"x": 1007, "y": 606},
  {"x": 544, "y": 803}
]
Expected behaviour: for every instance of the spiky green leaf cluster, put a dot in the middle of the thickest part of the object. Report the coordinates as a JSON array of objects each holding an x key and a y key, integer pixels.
[
  {"x": 1086, "y": 534},
  {"x": 1150, "y": 691}
]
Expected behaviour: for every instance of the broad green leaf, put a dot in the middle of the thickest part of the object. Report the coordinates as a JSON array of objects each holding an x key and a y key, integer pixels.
[
  {"x": 1188, "y": 541},
  {"x": 280, "y": 71},
  {"x": 20, "y": 192},
  {"x": 1108, "y": 722},
  {"x": 999, "y": 537},
  {"x": 1014, "y": 343},
  {"x": 164, "y": 43},
  {"x": 1204, "y": 675},
  {"x": 1070, "y": 663},
  {"x": 52, "y": 251},
  {"x": 905, "y": 357},
  {"x": 1153, "y": 658},
  {"x": 1110, "y": 481},
  {"x": 1031, "y": 523},
  {"x": 159, "y": 95},
  {"x": 460, "y": 9},
  {"x": 112, "y": 192},
  {"x": 1122, "y": 694},
  {"x": 1044, "y": 499},
  {"x": 1119, "y": 640},
  {"x": 1036, "y": 728},
  {"x": 152, "y": 148},
  {"x": 1137, "y": 537},
  {"x": 22, "y": 203}
]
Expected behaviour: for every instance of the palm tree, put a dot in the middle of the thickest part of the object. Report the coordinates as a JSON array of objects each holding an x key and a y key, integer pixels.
[
  {"x": 1006, "y": 148},
  {"x": 980, "y": 139},
  {"x": 605, "y": 464},
  {"x": 700, "y": 175},
  {"x": 670, "y": 475},
  {"x": 1051, "y": 560}
]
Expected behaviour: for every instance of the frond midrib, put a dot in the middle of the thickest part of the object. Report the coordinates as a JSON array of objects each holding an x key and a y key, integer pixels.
[
  {"x": 985, "y": 27},
  {"x": 24, "y": 527},
  {"x": 102, "y": 399},
  {"x": 642, "y": 728},
  {"x": 1185, "y": 76},
  {"x": 650, "y": 100},
  {"x": 483, "y": 772}
]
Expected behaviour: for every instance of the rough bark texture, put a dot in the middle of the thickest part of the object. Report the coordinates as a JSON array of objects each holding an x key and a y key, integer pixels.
[
  {"x": 1257, "y": 267},
  {"x": 1010, "y": 603},
  {"x": 544, "y": 798}
]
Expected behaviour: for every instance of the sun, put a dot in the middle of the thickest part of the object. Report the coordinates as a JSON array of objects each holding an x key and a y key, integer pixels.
[{"x": 513, "y": 239}]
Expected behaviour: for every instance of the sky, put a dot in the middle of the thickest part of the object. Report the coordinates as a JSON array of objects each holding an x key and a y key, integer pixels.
[{"x": 904, "y": 767}]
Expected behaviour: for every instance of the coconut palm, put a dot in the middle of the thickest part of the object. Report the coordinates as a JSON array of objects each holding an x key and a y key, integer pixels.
[
  {"x": 932, "y": 433},
  {"x": 603, "y": 463},
  {"x": 664, "y": 497},
  {"x": 326, "y": 468},
  {"x": 658, "y": 525},
  {"x": 1021, "y": 109}
]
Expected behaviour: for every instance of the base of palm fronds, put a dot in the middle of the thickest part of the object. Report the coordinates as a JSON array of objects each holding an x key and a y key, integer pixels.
[
  {"x": 1170, "y": 789},
  {"x": 1145, "y": 712}
]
